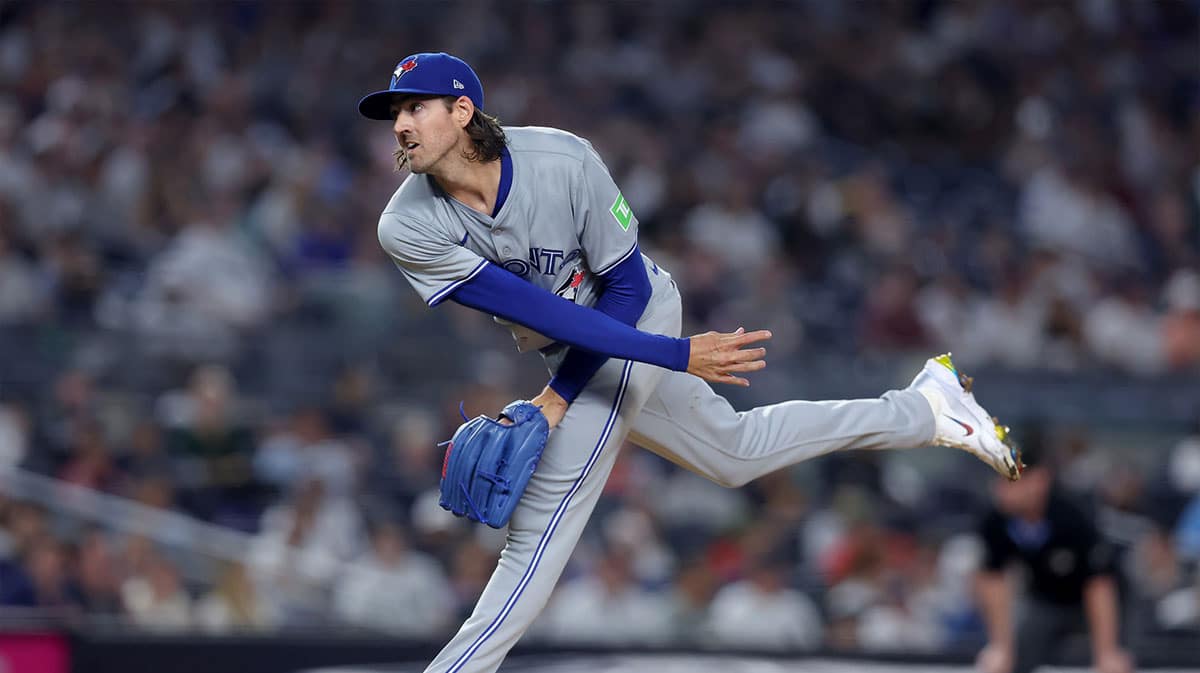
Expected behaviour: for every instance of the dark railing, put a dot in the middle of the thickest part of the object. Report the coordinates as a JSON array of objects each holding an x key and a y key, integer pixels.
[{"x": 112, "y": 651}]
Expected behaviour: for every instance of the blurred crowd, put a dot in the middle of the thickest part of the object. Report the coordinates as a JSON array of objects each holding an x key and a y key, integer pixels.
[
  {"x": 1017, "y": 181},
  {"x": 859, "y": 550}
]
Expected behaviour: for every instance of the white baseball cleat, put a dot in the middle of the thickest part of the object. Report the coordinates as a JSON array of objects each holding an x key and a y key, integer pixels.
[{"x": 960, "y": 422}]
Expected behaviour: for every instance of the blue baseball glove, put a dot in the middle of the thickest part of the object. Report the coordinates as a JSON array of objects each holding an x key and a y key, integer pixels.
[{"x": 488, "y": 464}]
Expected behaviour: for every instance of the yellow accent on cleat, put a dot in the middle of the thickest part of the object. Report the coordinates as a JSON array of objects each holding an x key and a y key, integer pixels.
[
  {"x": 944, "y": 360},
  {"x": 963, "y": 380}
]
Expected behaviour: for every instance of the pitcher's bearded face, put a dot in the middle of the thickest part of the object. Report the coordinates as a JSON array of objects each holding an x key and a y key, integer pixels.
[{"x": 426, "y": 130}]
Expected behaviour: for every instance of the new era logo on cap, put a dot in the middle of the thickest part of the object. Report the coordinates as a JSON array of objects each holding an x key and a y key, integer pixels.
[{"x": 458, "y": 85}]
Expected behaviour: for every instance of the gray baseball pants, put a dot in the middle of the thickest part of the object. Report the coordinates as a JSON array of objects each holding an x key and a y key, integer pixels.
[{"x": 677, "y": 416}]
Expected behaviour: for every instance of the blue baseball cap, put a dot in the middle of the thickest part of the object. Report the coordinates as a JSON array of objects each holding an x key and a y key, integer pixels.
[{"x": 435, "y": 74}]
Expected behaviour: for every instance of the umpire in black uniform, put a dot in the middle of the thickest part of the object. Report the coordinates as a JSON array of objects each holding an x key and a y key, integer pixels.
[{"x": 1070, "y": 571}]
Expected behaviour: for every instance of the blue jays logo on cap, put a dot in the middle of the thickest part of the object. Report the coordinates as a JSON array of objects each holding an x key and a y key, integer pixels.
[
  {"x": 401, "y": 69},
  {"x": 428, "y": 73}
]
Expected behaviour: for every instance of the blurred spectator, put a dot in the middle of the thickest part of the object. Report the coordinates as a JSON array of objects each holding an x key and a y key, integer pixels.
[
  {"x": 1181, "y": 325},
  {"x": 73, "y": 401},
  {"x": 75, "y": 277},
  {"x": 1064, "y": 208},
  {"x": 21, "y": 290},
  {"x": 42, "y": 580},
  {"x": 145, "y": 455},
  {"x": 1155, "y": 567},
  {"x": 710, "y": 225},
  {"x": 951, "y": 598},
  {"x": 687, "y": 501},
  {"x": 942, "y": 306},
  {"x": 1164, "y": 585},
  {"x": 410, "y": 459},
  {"x": 353, "y": 393},
  {"x": 155, "y": 599},
  {"x": 307, "y": 450},
  {"x": 1181, "y": 608},
  {"x": 855, "y": 568},
  {"x": 891, "y": 320},
  {"x": 212, "y": 449},
  {"x": 471, "y": 566},
  {"x": 304, "y": 541},
  {"x": 202, "y": 291},
  {"x": 155, "y": 492},
  {"x": 761, "y": 611},
  {"x": 138, "y": 553},
  {"x": 1007, "y": 328},
  {"x": 881, "y": 223},
  {"x": 632, "y": 533},
  {"x": 606, "y": 607},
  {"x": 1124, "y": 331},
  {"x": 96, "y": 585},
  {"x": 234, "y": 604},
  {"x": 24, "y": 523},
  {"x": 14, "y": 434},
  {"x": 694, "y": 588},
  {"x": 90, "y": 464},
  {"x": 908, "y": 616},
  {"x": 366, "y": 594},
  {"x": 1187, "y": 531},
  {"x": 438, "y": 531}
]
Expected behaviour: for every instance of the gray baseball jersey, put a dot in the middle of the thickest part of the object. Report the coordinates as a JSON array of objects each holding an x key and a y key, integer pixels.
[{"x": 563, "y": 223}]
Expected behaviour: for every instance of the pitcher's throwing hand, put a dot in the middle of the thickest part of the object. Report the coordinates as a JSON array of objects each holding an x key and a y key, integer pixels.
[{"x": 717, "y": 356}]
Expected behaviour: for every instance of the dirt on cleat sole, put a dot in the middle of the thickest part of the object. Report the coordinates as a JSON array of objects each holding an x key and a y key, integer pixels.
[
  {"x": 1014, "y": 451},
  {"x": 965, "y": 381}
]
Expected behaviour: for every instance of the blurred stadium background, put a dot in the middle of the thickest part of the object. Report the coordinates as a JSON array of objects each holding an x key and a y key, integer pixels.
[{"x": 219, "y": 403}]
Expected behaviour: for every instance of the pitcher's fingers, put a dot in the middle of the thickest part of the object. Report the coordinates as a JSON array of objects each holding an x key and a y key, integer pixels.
[
  {"x": 748, "y": 354},
  {"x": 752, "y": 366},
  {"x": 732, "y": 380},
  {"x": 752, "y": 337}
]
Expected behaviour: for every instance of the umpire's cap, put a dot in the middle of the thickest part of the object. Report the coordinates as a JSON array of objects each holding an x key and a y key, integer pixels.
[{"x": 432, "y": 73}]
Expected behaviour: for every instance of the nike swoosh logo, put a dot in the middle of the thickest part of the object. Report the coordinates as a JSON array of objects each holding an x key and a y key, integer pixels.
[{"x": 968, "y": 429}]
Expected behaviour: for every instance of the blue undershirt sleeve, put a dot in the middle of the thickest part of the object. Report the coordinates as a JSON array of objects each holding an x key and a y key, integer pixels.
[
  {"x": 625, "y": 292},
  {"x": 500, "y": 293}
]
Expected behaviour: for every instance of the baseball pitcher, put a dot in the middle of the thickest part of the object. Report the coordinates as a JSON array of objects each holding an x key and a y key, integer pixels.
[{"x": 527, "y": 225}]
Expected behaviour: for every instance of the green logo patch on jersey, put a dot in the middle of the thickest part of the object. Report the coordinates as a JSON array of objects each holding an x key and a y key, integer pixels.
[{"x": 621, "y": 212}]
